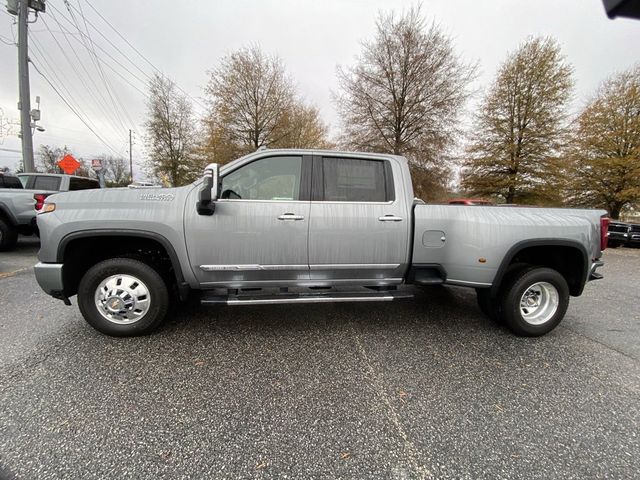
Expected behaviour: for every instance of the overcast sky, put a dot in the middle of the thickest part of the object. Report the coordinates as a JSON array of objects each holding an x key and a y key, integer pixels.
[{"x": 185, "y": 39}]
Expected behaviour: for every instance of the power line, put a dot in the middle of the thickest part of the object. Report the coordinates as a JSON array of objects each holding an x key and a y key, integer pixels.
[
  {"x": 81, "y": 34},
  {"x": 124, "y": 109},
  {"x": 7, "y": 41},
  {"x": 41, "y": 51},
  {"x": 73, "y": 109},
  {"x": 77, "y": 108},
  {"x": 94, "y": 58},
  {"x": 101, "y": 101},
  {"x": 157, "y": 70}
]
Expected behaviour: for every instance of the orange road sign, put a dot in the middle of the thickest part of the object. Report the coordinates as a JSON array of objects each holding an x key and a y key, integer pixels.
[{"x": 68, "y": 164}]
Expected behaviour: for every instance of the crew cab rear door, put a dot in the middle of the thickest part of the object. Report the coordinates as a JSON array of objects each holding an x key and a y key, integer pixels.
[
  {"x": 359, "y": 227},
  {"x": 258, "y": 233}
]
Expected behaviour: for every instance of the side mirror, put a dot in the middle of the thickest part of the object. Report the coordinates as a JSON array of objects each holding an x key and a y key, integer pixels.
[{"x": 209, "y": 191}]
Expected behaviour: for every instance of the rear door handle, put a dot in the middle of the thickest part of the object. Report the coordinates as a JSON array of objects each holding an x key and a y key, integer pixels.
[
  {"x": 390, "y": 218},
  {"x": 290, "y": 216}
]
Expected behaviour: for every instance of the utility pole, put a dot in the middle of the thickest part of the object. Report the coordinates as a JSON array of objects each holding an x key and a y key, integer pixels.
[
  {"x": 24, "y": 104},
  {"x": 21, "y": 8},
  {"x": 130, "y": 157}
]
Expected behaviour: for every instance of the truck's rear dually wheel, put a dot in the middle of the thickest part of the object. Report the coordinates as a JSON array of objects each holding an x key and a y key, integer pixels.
[
  {"x": 123, "y": 297},
  {"x": 534, "y": 301}
]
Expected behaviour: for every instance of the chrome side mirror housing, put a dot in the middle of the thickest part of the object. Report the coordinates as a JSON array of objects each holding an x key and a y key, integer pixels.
[{"x": 210, "y": 190}]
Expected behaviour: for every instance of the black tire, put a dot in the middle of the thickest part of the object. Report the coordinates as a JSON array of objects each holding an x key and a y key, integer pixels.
[
  {"x": 514, "y": 290},
  {"x": 611, "y": 244},
  {"x": 158, "y": 297},
  {"x": 8, "y": 236}
]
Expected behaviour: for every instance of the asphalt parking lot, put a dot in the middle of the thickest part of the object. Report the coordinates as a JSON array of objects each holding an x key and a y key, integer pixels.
[{"x": 425, "y": 388}]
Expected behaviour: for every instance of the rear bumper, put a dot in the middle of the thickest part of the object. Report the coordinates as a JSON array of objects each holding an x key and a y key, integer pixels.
[{"x": 49, "y": 277}]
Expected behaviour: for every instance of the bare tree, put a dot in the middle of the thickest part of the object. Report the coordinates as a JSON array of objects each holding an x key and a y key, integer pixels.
[
  {"x": 605, "y": 161},
  {"x": 116, "y": 171},
  {"x": 404, "y": 96},
  {"x": 250, "y": 92},
  {"x": 254, "y": 104},
  {"x": 48, "y": 157},
  {"x": 171, "y": 134},
  {"x": 521, "y": 125}
]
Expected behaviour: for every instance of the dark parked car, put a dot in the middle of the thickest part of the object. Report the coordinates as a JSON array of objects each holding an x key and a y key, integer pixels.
[
  {"x": 617, "y": 234},
  {"x": 634, "y": 235},
  {"x": 623, "y": 234},
  {"x": 8, "y": 180}
]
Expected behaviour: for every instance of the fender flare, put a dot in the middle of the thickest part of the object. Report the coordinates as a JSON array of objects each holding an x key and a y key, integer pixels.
[
  {"x": 541, "y": 242},
  {"x": 173, "y": 257}
]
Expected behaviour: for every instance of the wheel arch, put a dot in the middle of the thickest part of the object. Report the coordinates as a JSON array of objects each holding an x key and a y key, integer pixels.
[
  {"x": 136, "y": 239},
  {"x": 569, "y": 257}
]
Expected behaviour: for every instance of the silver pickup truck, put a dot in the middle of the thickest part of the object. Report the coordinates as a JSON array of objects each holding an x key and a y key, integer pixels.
[
  {"x": 305, "y": 226},
  {"x": 17, "y": 210}
]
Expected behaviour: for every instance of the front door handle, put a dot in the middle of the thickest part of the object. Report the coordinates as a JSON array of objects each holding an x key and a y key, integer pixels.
[
  {"x": 290, "y": 216},
  {"x": 390, "y": 218}
]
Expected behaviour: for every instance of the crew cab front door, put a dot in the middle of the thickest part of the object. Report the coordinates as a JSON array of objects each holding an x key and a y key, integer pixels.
[{"x": 257, "y": 235}]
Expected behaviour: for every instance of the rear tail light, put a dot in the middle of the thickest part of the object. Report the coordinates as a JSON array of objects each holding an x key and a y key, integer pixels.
[
  {"x": 40, "y": 198},
  {"x": 604, "y": 227}
]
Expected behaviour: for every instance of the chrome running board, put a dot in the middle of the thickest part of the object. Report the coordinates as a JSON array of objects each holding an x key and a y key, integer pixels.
[{"x": 303, "y": 297}]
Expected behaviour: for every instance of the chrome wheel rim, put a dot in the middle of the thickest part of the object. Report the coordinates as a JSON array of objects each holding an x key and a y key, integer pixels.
[
  {"x": 539, "y": 303},
  {"x": 122, "y": 299}
]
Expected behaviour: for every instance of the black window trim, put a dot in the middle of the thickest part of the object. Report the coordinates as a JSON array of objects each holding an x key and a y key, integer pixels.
[
  {"x": 317, "y": 179},
  {"x": 305, "y": 178}
]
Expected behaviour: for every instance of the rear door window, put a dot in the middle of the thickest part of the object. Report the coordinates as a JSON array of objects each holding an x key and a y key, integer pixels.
[
  {"x": 355, "y": 180},
  {"x": 41, "y": 182},
  {"x": 82, "y": 184}
]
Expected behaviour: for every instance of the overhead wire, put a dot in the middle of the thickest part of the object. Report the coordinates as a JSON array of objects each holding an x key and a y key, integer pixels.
[
  {"x": 90, "y": 82},
  {"x": 113, "y": 97},
  {"x": 40, "y": 57},
  {"x": 66, "y": 85},
  {"x": 155, "y": 69},
  {"x": 7, "y": 40},
  {"x": 124, "y": 109},
  {"x": 143, "y": 82},
  {"x": 73, "y": 110}
]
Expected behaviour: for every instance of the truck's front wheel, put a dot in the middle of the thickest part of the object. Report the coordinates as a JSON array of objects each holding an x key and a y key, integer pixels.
[
  {"x": 123, "y": 297},
  {"x": 535, "y": 301}
]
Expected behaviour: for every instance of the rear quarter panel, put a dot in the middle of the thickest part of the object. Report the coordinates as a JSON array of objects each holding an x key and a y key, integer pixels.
[{"x": 476, "y": 233}]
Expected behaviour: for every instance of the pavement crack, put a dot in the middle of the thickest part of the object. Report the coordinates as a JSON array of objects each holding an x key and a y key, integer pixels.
[{"x": 391, "y": 413}]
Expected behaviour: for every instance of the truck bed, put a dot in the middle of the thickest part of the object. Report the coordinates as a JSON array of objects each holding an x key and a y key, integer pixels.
[{"x": 469, "y": 243}]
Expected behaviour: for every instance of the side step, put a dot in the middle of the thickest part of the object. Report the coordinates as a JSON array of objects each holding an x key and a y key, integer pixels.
[{"x": 303, "y": 297}]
